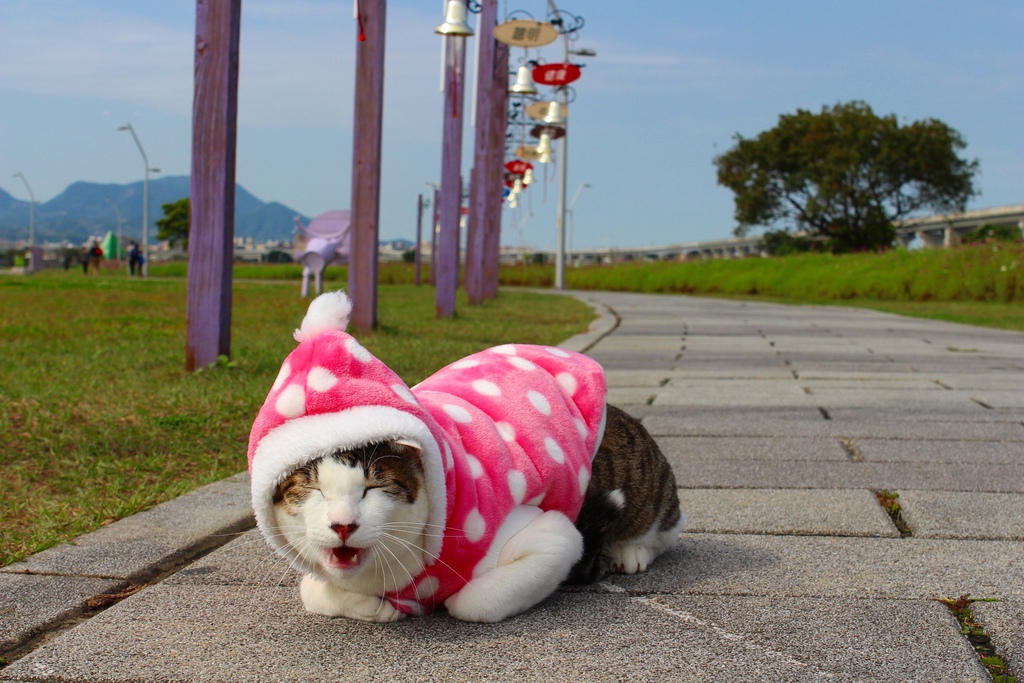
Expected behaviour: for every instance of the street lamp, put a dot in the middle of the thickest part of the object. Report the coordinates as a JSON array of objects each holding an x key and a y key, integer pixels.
[
  {"x": 31, "y": 211},
  {"x": 572, "y": 214},
  {"x": 145, "y": 200}
]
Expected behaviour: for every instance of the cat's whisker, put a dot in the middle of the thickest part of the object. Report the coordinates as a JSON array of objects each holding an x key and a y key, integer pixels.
[{"x": 436, "y": 558}]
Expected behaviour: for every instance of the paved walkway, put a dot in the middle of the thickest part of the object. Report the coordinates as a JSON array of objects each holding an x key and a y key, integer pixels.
[{"x": 781, "y": 423}]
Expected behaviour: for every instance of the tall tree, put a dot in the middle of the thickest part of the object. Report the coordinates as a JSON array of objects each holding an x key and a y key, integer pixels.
[
  {"x": 173, "y": 227},
  {"x": 845, "y": 174}
]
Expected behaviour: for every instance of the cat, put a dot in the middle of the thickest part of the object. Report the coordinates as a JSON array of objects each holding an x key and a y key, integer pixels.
[
  {"x": 631, "y": 511},
  {"x": 361, "y": 517}
]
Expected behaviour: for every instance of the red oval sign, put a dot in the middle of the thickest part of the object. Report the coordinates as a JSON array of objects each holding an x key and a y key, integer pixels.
[
  {"x": 555, "y": 74},
  {"x": 518, "y": 166}
]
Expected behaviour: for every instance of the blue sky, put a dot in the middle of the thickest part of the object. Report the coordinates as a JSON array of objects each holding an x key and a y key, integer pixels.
[{"x": 672, "y": 84}]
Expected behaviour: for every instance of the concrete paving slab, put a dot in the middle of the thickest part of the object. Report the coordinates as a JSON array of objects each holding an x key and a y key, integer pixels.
[
  {"x": 31, "y": 604},
  {"x": 853, "y": 639},
  {"x": 924, "y": 450},
  {"x": 947, "y": 426},
  {"x": 190, "y": 633},
  {"x": 835, "y": 512},
  {"x": 153, "y": 541},
  {"x": 246, "y": 561},
  {"x": 753, "y": 474},
  {"x": 723, "y": 448},
  {"x": 825, "y": 567},
  {"x": 1004, "y": 623},
  {"x": 630, "y": 396},
  {"x": 948, "y": 514},
  {"x": 786, "y": 421},
  {"x": 620, "y": 379}
]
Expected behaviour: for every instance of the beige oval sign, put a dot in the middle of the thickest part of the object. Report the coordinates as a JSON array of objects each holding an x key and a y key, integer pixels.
[
  {"x": 528, "y": 152},
  {"x": 525, "y": 33},
  {"x": 538, "y": 110}
]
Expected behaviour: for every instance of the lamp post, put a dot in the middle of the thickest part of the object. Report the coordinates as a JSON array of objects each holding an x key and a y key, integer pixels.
[
  {"x": 31, "y": 220},
  {"x": 145, "y": 199},
  {"x": 31, "y": 210},
  {"x": 572, "y": 214}
]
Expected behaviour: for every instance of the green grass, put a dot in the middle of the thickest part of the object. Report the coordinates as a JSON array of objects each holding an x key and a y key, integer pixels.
[
  {"x": 99, "y": 420},
  {"x": 978, "y": 284}
]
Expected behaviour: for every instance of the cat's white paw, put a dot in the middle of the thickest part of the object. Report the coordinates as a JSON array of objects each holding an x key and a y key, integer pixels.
[
  {"x": 323, "y": 598},
  {"x": 630, "y": 558}
]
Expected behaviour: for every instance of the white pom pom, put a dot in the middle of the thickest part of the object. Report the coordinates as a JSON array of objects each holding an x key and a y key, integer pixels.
[{"x": 329, "y": 311}]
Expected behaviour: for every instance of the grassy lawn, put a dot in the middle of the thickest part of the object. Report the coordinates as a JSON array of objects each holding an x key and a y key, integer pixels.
[{"x": 98, "y": 419}]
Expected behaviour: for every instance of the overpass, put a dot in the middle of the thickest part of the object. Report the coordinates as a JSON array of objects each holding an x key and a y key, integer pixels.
[
  {"x": 948, "y": 229},
  {"x": 933, "y": 231}
]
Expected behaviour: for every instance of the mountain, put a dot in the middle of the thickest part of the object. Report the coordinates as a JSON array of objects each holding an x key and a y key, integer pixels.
[{"x": 86, "y": 209}]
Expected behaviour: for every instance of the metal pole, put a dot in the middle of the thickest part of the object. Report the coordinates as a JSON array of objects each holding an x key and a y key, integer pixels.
[
  {"x": 563, "y": 169},
  {"x": 419, "y": 238},
  {"x": 145, "y": 200},
  {"x": 572, "y": 216},
  {"x": 31, "y": 213}
]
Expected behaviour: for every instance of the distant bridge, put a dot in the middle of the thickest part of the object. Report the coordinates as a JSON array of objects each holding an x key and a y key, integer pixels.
[{"x": 933, "y": 231}]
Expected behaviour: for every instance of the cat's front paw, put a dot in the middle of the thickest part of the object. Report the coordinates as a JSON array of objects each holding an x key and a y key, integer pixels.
[
  {"x": 329, "y": 600},
  {"x": 630, "y": 558}
]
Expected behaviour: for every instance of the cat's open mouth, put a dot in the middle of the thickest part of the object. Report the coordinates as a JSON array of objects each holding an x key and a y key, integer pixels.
[{"x": 345, "y": 557}]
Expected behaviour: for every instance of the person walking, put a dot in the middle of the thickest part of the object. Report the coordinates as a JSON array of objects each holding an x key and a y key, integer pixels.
[
  {"x": 95, "y": 256},
  {"x": 134, "y": 259}
]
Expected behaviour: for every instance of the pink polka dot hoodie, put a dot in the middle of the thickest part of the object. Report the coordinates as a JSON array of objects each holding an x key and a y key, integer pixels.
[{"x": 513, "y": 425}]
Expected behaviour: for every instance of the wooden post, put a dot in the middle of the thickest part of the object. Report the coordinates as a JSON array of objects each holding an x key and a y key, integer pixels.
[
  {"x": 479, "y": 196},
  {"x": 447, "y": 258},
  {"x": 435, "y": 220},
  {"x": 419, "y": 238},
  {"x": 366, "y": 143},
  {"x": 496, "y": 177},
  {"x": 212, "y": 191}
]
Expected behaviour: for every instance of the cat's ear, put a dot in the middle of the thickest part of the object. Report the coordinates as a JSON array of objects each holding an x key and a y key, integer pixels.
[{"x": 408, "y": 445}]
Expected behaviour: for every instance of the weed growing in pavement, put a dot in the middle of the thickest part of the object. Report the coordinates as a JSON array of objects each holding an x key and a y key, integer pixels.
[
  {"x": 971, "y": 629},
  {"x": 890, "y": 502}
]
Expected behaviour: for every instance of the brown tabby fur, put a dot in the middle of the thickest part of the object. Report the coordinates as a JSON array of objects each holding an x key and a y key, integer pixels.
[{"x": 630, "y": 462}]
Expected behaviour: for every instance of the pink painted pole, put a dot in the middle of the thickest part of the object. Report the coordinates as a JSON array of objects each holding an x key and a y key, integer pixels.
[
  {"x": 451, "y": 183},
  {"x": 478, "y": 187},
  {"x": 496, "y": 177},
  {"x": 366, "y": 143},
  {"x": 212, "y": 190}
]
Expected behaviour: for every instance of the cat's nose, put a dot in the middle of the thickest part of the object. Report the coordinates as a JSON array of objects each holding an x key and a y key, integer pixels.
[{"x": 344, "y": 530}]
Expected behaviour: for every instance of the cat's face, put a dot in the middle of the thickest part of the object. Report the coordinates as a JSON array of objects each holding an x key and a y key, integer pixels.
[{"x": 359, "y": 515}]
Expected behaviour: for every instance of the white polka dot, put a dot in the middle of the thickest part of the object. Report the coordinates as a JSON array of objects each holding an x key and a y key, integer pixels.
[
  {"x": 476, "y": 470},
  {"x": 404, "y": 394},
  {"x": 475, "y": 526},
  {"x": 554, "y": 450},
  {"x": 522, "y": 363},
  {"x": 506, "y": 349},
  {"x": 282, "y": 377},
  {"x": 517, "y": 485},
  {"x": 357, "y": 351},
  {"x": 292, "y": 401},
  {"x": 464, "y": 364},
  {"x": 584, "y": 480},
  {"x": 536, "y": 501},
  {"x": 567, "y": 382},
  {"x": 427, "y": 587},
  {"x": 539, "y": 402},
  {"x": 507, "y": 432},
  {"x": 457, "y": 413},
  {"x": 320, "y": 379},
  {"x": 581, "y": 427},
  {"x": 486, "y": 388},
  {"x": 557, "y": 352}
]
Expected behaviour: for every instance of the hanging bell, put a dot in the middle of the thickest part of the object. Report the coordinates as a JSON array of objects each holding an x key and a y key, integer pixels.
[
  {"x": 554, "y": 116},
  {"x": 517, "y": 186},
  {"x": 454, "y": 20},
  {"x": 513, "y": 200},
  {"x": 524, "y": 83},
  {"x": 544, "y": 149},
  {"x": 528, "y": 176}
]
